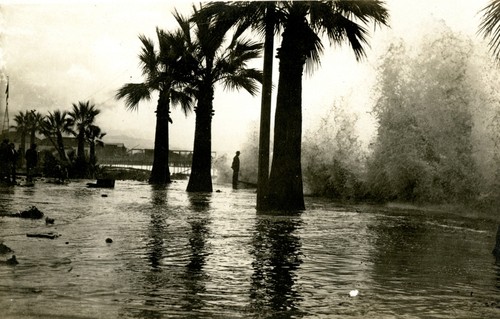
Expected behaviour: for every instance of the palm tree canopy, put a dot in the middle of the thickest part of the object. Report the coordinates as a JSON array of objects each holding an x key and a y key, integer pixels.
[
  {"x": 22, "y": 120},
  {"x": 56, "y": 122},
  {"x": 93, "y": 133},
  {"x": 164, "y": 70},
  {"x": 219, "y": 63},
  {"x": 339, "y": 20},
  {"x": 490, "y": 26},
  {"x": 83, "y": 115},
  {"x": 34, "y": 119}
]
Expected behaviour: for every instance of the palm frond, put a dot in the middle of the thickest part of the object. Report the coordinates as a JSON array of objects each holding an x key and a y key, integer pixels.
[
  {"x": 364, "y": 11},
  {"x": 490, "y": 27},
  {"x": 184, "y": 24},
  {"x": 183, "y": 99},
  {"x": 147, "y": 57},
  {"x": 133, "y": 93},
  {"x": 246, "y": 79}
]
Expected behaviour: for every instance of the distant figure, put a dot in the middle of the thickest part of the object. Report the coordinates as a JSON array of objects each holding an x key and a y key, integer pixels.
[
  {"x": 31, "y": 162},
  {"x": 236, "y": 169},
  {"x": 5, "y": 161},
  {"x": 62, "y": 173},
  {"x": 14, "y": 156}
]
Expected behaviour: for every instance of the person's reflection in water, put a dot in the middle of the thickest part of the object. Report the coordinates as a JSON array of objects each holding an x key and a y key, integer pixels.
[
  {"x": 6, "y": 194},
  {"x": 277, "y": 254},
  {"x": 195, "y": 277}
]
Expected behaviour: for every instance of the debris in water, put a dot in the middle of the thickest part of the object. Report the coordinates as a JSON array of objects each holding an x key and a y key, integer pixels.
[
  {"x": 4, "y": 249},
  {"x": 109, "y": 240},
  {"x": 353, "y": 293},
  {"x": 102, "y": 183},
  {"x": 49, "y": 235},
  {"x": 32, "y": 213},
  {"x": 49, "y": 220},
  {"x": 12, "y": 261}
]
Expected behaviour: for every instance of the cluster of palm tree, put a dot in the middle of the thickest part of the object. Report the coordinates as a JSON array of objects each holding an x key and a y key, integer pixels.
[
  {"x": 191, "y": 60},
  {"x": 183, "y": 69},
  {"x": 79, "y": 122}
]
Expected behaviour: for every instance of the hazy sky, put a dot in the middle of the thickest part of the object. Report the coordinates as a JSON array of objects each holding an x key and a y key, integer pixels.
[{"x": 60, "y": 52}]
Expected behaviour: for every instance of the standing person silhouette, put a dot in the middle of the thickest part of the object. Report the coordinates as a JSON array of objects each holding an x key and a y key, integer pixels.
[
  {"x": 14, "y": 157},
  {"x": 236, "y": 169},
  {"x": 4, "y": 161},
  {"x": 31, "y": 162}
]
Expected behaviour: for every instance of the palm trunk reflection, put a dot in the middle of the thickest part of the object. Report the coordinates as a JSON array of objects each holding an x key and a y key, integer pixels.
[{"x": 277, "y": 253}]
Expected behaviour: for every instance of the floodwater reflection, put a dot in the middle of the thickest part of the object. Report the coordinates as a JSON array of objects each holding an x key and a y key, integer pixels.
[
  {"x": 277, "y": 257},
  {"x": 210, "y": 255},
  {"x": 194, "y": 277}
]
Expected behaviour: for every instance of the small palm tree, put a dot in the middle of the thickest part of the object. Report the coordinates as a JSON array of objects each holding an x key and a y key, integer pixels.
[
  {"x": 164, "y": 72},
  {"x": 261, "y": 17},
  {"x": 94, "y": 137},
  {"x": 82, "y": 117},
  {"x": 218, "y": 61},
  {"x": 54, "y": 125},
  {"x": 490, "y": 26}
]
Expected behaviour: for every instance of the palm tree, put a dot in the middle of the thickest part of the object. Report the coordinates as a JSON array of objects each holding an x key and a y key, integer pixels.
[
  {"x": 22, "y": 120},
  {"x": 490, "y": 26},
  {"x": 216, "y": 63},
  {"x": 302, "y": 24},
  {"x": 94, "y": 136},
  {"x": 54, "y": 125},
  {"x": 164, "y": 72},
  {"x": 82, "y": 117},
  {"x": 261, "y": 17}
]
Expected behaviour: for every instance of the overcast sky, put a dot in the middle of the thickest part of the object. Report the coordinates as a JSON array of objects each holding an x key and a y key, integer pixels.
[{"x": 56, "y": 53}]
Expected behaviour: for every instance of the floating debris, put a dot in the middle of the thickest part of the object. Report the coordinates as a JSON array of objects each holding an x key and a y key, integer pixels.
[
  {"x": 102, "y": 183},
  {"x": 109, "y": 240},
  {"x": 353, "y": 293},
  {"x": 49, "y": 220},
  {"x": 32, "y": 213},
  {"x": 49, "y": 235},
  {"x": 12, "y": 260},
  {"x": 4, "y": 249}
]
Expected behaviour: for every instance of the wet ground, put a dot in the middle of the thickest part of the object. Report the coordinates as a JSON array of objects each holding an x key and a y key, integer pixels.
[{"x": 180, "y": 255}]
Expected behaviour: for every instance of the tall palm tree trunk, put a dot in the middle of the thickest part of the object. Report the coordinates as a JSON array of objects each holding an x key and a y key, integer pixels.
[
  {"x": 200, "y": 179},
  {"x": 265, "y": 112},
  {"x": 160, "y": 172},
  {"x": 285, "y": 181}
]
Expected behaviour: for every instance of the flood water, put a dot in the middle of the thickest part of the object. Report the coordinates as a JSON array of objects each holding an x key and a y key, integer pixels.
[{"x": 180, "y": 255}]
